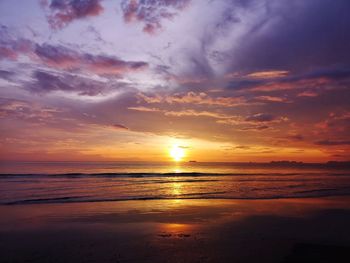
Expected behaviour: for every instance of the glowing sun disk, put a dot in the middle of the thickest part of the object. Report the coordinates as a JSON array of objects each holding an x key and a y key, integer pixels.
[{"x": 177, "y": 153}]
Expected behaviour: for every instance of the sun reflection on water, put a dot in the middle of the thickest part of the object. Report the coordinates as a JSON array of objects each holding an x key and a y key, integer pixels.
[
  {"x": 178, "y": 170},
  {"x": 176, "y": 189}
]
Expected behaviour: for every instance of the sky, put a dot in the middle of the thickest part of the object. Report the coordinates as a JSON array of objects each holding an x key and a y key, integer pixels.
[{"x": 221, "y": 80}]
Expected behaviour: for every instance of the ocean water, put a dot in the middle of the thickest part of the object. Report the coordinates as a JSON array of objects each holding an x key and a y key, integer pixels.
[{"x": 58, "y": 182}]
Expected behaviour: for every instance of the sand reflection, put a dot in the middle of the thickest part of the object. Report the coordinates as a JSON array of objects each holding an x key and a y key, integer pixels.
[{"x": 175, "y": 230}]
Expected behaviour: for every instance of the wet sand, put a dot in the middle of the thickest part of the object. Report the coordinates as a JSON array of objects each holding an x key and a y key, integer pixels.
[{"x": 279, "y": 230}]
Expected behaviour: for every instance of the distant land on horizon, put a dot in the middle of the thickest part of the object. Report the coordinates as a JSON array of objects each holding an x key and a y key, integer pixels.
[{"x": 283, "y": 163}]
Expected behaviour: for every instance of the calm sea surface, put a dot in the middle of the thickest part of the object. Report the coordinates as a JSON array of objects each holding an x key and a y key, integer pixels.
[{"x": 56, "y": 182}]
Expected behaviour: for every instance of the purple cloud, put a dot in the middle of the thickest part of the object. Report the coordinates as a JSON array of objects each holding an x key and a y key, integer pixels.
[
  {"x": 46, "y": 82},
  {"x": 63, "y": 12},
  {"x": 291, "y": 31},
  {"x": 7, "y": 53},
  {"x": 151, "y": 12},
  {"x": 64, "y": 58},
  {"x": 59, "y": 56},
  {"x": 11, "y": 46},
  {"x": 5, "y": 74}
]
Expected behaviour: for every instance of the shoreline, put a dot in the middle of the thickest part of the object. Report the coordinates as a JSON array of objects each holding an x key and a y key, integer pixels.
[{"x": 61, "y": 200}]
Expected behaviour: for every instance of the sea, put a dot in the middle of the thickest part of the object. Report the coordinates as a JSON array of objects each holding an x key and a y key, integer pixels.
[{"x": 63, "y": 182}]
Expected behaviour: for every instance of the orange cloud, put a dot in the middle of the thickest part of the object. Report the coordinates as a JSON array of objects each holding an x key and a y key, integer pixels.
[
  {"x": 200, "y": 98},
  {"x": 272, "y": 99},
  {"x": 268, "y": 74},
  {"x": 144, "y": 109},
  {"x": 307, "y": 93},
  {"x": 197, "y": 114}
]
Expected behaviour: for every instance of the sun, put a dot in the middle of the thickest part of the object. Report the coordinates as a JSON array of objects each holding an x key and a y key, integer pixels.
[{"x": 177, "y": 153}]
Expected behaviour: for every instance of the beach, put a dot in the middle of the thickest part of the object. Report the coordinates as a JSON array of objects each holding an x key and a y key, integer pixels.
[
  {"x": 194, "y": 212},
  {"x": 276, "y": 230}
]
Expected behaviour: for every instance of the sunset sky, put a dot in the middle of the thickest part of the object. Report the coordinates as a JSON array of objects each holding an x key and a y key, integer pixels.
[{"x": 222, "y": 80}]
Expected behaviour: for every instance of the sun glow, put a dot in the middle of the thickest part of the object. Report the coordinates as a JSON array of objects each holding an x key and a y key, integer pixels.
[{"x": 177, "y": 153}]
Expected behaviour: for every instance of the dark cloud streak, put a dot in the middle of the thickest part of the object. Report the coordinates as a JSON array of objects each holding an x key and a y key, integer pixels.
[
  {"x": 46, "y": 82},
  {"x": 62, "y": 57},
  {"x": 332, "y": 143}
]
